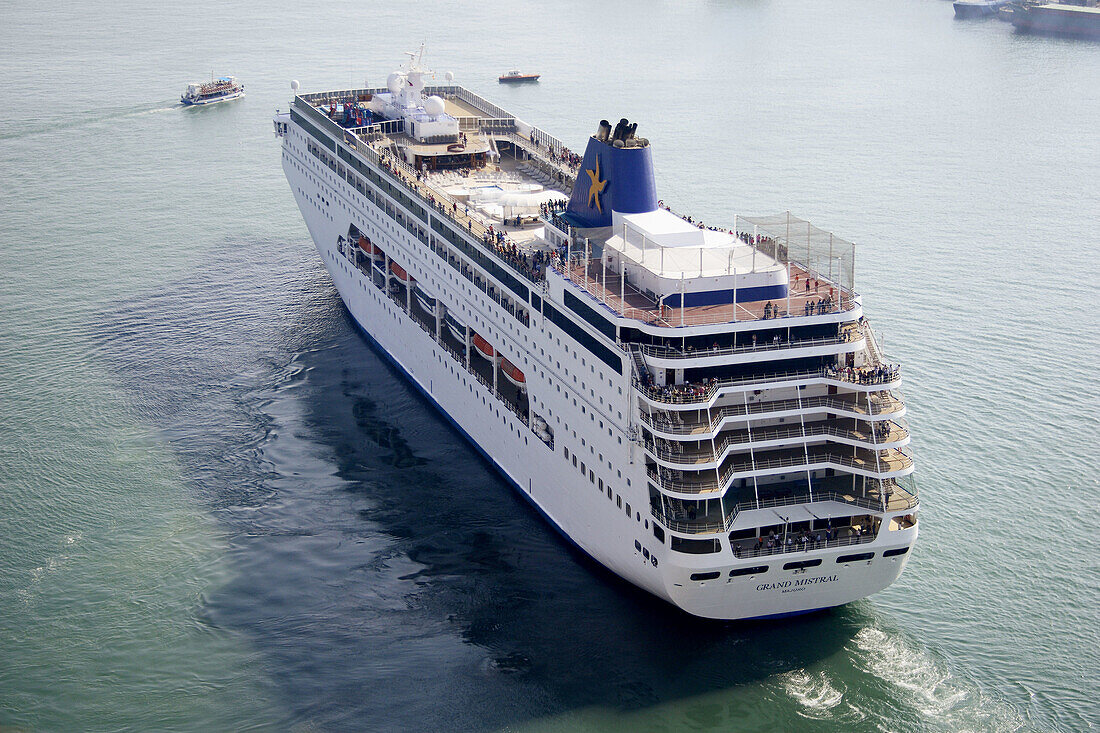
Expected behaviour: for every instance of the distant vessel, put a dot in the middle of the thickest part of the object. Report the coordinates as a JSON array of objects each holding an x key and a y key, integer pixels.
[
  {"x": 1062, "y": 19},
  {"x": 215, "y": 90},
  {"x": 705, "y": 411},
  {"x": 515, "y": 76},
  {"x": 978, "y": 8}
]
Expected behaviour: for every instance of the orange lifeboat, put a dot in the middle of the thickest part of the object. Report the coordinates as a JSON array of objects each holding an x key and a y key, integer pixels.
[
  {"x": 512, "y": 374},
  {"x": 399, "y": 272},
  {"x": 484, "y": 348},
  {"x": 366, "y": 246}
]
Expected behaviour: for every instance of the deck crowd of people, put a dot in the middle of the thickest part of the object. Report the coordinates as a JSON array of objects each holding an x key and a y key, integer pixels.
[
  {"x": 818, "y": 307},
  {"x": 775, "y": 542},
  {"x": 531, "y": 265},
  {"x": 879, "y": 374},
  {"x": 564, "y": 155},
  {"x": 756, "y": 239}
]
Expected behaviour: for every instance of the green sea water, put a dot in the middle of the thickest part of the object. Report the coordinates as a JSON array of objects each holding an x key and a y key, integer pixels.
[{"x": 221, "y": 510}]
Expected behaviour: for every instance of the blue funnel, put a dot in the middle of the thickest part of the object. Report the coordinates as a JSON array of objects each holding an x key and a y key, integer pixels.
[{"x": 612, "y": 179}]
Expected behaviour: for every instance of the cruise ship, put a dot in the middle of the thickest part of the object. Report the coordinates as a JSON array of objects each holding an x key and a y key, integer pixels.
[{"x": 703, "y": 410}]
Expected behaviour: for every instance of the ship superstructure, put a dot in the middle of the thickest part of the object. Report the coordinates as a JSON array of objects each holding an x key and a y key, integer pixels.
[{"x": 702, "y": 410}]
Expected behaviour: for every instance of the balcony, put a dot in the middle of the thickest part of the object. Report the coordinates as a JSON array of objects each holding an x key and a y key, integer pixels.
[
  {"x": 719, "y": 515},
  {"x": 882, "y": 464},
  {"x": 666, "y": 357},
  {"x": 703, "y": 394},
  {"x": 673, "y": 454},
  {"x": 865, "y": 407}
]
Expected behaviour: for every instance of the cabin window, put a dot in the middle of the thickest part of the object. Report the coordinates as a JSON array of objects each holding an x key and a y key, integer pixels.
[
  {"x": 858, "y": 557},
  {"x": 800, "y": 564},
  {"x": 705, "y": 576},
  {"x": 696, "y": 547},
  {"x": 895, "y": 552},
  {"x": 754, "y": 570}
]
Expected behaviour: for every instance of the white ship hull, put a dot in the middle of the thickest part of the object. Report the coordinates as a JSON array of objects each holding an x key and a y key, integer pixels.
[
  {"x": 211, "y": 100},
  {"x": 570, "y": 501}
]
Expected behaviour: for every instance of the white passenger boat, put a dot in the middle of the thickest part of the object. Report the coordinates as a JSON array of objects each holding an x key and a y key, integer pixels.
[{"x": 213, "y": 91}]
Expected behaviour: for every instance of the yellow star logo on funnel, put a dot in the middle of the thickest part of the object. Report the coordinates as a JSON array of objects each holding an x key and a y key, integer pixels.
[{"x": 597, "y": 186}]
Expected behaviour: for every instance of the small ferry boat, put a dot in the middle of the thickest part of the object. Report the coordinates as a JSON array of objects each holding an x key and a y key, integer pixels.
[
  {"x": 215, "y": 90},
  {"x": 515, "y": 76},
  {"x": 978, "y": 8}
]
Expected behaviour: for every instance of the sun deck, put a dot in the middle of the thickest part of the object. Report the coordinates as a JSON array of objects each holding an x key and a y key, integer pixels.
[
  {"x": 808, "y": 296},
  {"x": 537, "y": 159}
]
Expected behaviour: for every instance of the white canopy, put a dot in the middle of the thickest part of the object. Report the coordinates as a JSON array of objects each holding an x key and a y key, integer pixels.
[{"x": 665, "y": 229}]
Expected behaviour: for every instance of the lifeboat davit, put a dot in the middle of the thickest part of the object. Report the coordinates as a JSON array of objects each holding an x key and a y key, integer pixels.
[
  {"x": 399, "y": 272},
  {"x": 484, "y": 348},
  {"x": 512, "y": 374}
]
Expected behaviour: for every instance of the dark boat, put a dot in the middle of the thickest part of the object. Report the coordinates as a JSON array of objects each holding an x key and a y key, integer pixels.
[{"x": 1060, "y": 19}]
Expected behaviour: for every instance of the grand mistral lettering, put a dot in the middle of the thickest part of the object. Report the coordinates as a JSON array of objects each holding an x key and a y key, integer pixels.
[{"x": 797, "y": 584}]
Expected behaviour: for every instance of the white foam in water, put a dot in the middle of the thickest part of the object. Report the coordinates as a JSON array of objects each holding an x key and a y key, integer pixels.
[
  {"x": 814, "y": 692},
  {"x": 923, "y": 683}
]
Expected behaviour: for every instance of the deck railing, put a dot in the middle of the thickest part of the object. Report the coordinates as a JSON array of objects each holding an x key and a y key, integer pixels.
[
  {"x": 896, "y": 459},
  {"x": 667, "y": 352},
  {"x": 677, "y": 522},
  {"x": 703, "y": 394},
  {"x": 667, "y": 316},
  {"x": 742, "y": 552},
  {"x": 749, "y": 437},
  {"x": 874, "y": 407}
]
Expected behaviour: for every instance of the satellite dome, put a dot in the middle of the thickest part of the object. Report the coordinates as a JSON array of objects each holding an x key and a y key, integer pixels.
[
  {"x": 434, "y": 105},
  {"x": 394, "y": 82},
  {"x": 294, "y": 85},
  {"x": 449, "y": 76}
]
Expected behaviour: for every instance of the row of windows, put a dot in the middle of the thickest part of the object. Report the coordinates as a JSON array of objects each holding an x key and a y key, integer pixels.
[
  {"x": 582, "y": 337},
  {"x": 305, "y": 125},
  {"x": 645, "y": 552},
  {"x": 796, "y": 565},
  {"x": 598, "y": 482},
  {"x": 482, "y": 258},
  {"x": 594, "y": 319},
  {"x": 383, "y": 183},
  {"x": 505, "y": 302}
]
